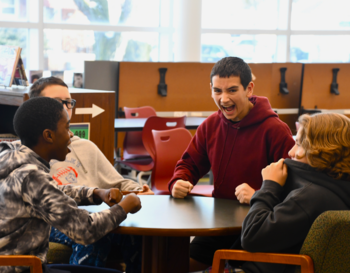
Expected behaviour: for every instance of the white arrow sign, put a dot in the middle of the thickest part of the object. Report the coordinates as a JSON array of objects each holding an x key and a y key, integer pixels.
[{"x": 95, "y": 111}]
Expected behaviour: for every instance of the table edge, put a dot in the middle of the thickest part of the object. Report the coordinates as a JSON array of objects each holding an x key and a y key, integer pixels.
[{"x": 171, "y": 232}]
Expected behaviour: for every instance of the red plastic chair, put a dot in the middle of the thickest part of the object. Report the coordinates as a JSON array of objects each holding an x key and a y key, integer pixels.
[
  {"x": 135, "y": 154},
  {"x": 159, "y": 123},
  {"x": 133, "y": 145},
  {"x": 139, "y": 112},
  {"x": 169, "y": 148}
]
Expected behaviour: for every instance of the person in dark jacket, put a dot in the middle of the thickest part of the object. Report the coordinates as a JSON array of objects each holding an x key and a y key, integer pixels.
[
  {"x": 236, "y": 142},
  {"x": 295, "y": 192}
]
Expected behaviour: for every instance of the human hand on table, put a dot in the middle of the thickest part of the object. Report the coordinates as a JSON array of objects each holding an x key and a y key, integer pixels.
[
  {"x": 109, "y": 196},
  {"x": 131, "y": 203},
  {"x": 181, "y": 188},
  {"x": 146, "y": 191},
  {"x": 244, "y": 193},
  {"x": 276, "y": 172}
]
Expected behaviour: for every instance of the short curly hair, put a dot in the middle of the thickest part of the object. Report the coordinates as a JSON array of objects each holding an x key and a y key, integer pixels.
[
  {"x": 232, "y": 66},
  {"x": 34, "y": 116},
  {"x": 325, "y": 138}
]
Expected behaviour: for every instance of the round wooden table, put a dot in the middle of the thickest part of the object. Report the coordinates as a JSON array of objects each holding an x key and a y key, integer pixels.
[{"x": 166, "y": 225}]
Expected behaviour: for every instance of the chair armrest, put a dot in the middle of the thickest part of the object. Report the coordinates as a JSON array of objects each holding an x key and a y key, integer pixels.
[
  {"x": 306, "y": 263},
  {"x": 22, "y": 260}
]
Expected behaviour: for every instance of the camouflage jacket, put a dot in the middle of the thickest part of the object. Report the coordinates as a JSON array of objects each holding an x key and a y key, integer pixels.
[{"x": 31, "y": 202}]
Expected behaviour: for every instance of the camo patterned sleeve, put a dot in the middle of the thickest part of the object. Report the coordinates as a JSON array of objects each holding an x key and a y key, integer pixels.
[
  {"x": 81, "y": 195},
  {"x": 49, "y": 203}
]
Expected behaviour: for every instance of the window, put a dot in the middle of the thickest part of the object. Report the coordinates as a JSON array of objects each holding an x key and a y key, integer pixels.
[
  {"x": 15, "y": 37},
  {"x": 261, "y": 48},
  {"x": 68, "y": 49},
  {"x": 245, "y": 14},
  {"x": 136, "y": 13},
  {"x": 13, "y": 10},
  {"x": 325, "y": 14},
  {"x": 320, "y": 48},
  {"x": 61, "y": 35},
  {"x": 276, "y": 30}
]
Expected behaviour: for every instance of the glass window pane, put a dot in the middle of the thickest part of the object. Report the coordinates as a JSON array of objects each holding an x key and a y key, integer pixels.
[
  {"x": 13, "y": 10},
  {"x": 68, "y": 49},
  {"x": 245, "y": 14},
  {"x": 113, "y": 12},
  {"x": 320, "y": 48},
  {"x": 15, "y": 37},
  {"x": 251, "y": 48},
  {"x": 321, "y": 15}
]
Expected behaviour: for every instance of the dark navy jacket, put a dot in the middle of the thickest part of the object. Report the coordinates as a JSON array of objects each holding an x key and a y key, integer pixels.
[{"x": 280, "y": 217}]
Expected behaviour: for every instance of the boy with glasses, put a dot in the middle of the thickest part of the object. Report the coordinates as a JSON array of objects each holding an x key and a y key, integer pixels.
[{"x": 68, "y": 103}]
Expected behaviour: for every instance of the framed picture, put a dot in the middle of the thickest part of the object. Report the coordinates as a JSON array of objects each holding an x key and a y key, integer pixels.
[{"x": 78, "y": 80}]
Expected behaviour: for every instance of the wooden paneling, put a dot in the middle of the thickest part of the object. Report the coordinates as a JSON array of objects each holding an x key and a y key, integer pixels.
[
  {"x": 188, "y": 86},
  {"x": 101, "y": 126},
  {"x": 317, "y": 85},
  {"x": 268, "y": 78}
]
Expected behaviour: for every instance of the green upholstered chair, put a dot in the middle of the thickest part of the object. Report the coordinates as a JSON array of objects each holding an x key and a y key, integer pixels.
[
  {"x": 325, "y": 249},
  {"x": 58, "y": 253}
]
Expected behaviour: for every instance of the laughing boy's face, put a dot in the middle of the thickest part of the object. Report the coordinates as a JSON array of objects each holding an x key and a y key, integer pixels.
[{"x": 230, "y": 96}]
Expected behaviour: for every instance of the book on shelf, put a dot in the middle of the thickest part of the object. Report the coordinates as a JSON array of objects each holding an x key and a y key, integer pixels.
[
  {"x": 8, "y": 137},
  {"x": 11, "y": 66}
]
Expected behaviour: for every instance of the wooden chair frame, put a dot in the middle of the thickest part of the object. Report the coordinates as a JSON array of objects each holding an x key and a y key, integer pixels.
[
  {"x": 22, "y": 260},
  {"x": 306, "y": 263}
]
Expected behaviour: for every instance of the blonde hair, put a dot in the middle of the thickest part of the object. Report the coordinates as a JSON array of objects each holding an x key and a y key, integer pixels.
[{"x": 326, "y": 140}]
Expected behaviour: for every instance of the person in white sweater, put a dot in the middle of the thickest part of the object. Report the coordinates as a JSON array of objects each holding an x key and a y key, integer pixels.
[{"x": 87, "y": 166}]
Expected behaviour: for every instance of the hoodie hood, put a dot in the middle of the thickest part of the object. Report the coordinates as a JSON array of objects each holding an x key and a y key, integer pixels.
[
  {"x": 14, "y": 155},
  {"x": 261, "y": 111},
  {"x": 339, "y": 187}
]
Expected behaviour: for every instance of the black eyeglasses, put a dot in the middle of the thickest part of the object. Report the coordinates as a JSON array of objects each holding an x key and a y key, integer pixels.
[{"x": 68, "y": 103}]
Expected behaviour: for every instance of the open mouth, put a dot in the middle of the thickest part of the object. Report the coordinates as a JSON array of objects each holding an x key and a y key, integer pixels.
[{"x": 229, "y": 109}]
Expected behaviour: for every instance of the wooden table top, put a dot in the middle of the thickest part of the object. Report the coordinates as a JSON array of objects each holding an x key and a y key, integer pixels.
[{"x": 163, "y": 215}]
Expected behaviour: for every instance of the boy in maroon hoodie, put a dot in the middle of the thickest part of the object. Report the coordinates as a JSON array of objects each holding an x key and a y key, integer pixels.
[{"x": 236, "y": 143}]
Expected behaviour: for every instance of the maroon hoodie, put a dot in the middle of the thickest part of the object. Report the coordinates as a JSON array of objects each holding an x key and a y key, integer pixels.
[{"x": 236, "y": 152}]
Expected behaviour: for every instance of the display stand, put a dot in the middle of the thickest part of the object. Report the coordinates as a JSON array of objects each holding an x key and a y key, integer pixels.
[{"x": 11, "y": 67}]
